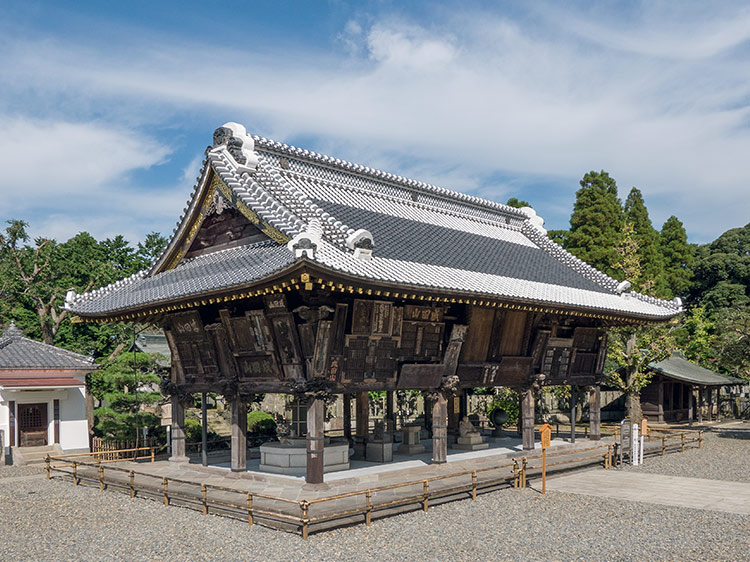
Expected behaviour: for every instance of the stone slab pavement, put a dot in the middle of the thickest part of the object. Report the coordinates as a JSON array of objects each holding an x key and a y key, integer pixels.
[{"x": 696, "y": 493}]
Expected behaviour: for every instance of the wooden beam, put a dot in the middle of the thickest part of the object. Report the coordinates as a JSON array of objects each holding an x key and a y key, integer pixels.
[
  {"x": 315, "y": 441},
  {"x": 239, "y": 435},
  {"x": 178, "y": 432},
  {"x": 595, "y": 413},
  {"x": 527, "y": 418},
  {"x": 347, "y": 398},
  {"x": 440, "y": 429}
]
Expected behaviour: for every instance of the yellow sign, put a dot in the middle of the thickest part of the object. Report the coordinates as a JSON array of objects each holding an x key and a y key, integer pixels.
[
  {"x": 546, "y": 435},
  {"x": 644, "y": 427}
]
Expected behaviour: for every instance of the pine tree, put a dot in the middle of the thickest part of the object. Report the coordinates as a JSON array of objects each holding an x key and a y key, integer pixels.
[
  {"x": 678, "y": 258},
  {"x": 596, "y": 223},
  {"x": 651, "y": 278}
]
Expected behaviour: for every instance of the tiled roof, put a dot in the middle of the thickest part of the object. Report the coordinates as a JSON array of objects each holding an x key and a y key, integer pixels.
[
  {"x": 34, "y": 382},
  {"x": 17, "y": 352},
  {"x": 677, "y": 367},
  {"x": 423, "y": 236}
]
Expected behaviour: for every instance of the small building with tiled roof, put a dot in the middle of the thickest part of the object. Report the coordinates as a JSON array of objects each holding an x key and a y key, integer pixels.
[
  {"x": 298, "y": 273},
  {"x": 670, "y": 395},
  {"x": 42, "y": 395}
]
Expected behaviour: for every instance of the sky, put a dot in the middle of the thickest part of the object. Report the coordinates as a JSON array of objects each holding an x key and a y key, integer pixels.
[{"x": 106, "y": 108}]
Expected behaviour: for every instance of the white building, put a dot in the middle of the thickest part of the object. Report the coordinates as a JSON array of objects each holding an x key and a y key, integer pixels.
[{"x": 42, "y": 396}]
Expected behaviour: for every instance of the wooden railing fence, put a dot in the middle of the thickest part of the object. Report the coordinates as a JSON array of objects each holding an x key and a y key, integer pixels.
[{"x": 112, "y": 449}]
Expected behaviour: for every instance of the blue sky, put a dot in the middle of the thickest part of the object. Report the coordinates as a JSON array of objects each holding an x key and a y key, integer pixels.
[{"x": 106, "y": 108}]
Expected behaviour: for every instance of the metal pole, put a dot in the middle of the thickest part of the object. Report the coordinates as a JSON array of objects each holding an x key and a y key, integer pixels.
[
  {"x": 204, "y": 430},
  {"x": 544, "y": 471}
]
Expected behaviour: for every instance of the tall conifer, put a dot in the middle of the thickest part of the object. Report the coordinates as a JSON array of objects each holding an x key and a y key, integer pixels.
[
  {"x": 678, "y": 257},
  {"x": 651, "y": 278},
  {"x": 596, "y": 223}
]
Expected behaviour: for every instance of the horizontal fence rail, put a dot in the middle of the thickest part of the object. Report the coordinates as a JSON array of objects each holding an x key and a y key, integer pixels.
[{"x": 361, "y": 505}]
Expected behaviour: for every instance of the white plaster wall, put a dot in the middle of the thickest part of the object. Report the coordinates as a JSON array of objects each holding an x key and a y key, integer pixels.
[
  {"x": 74, "y": 432},
  {"x": 5, "y": 422}
]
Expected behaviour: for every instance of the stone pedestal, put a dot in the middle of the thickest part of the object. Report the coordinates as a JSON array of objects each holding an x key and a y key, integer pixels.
[
  {"x": 471, "y": 442},
  {"x": 380, "y": 451},
  {"x": 411, "y": 444},
  {"x": 291, "y": 459}
]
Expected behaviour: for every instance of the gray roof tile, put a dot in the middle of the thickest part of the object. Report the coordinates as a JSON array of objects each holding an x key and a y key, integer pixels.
[{"x": 18, "y": 352}]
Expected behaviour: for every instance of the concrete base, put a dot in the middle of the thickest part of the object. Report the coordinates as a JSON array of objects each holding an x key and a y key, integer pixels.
[
  {"x": 406, "y": 449},
  {"x": 279, "y": 458},
  {"x": 470, "y": 446},
  {"x": 379, "y": 451}
]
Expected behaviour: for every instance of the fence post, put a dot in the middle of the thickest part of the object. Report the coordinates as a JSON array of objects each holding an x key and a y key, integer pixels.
[
  {"x": 46, "y": 460},
  {"x": 250, "y": 509},
  {"x": 523, "y": 473},
  {"x": 682, "y": 438},
  {"x": 164, "y": 485},
  {"x": 204, "y": 498},
  {"x": 132, "y": 484},
  {"x": 516, "y": 474},
  {"x": 368, "y": 505},
  {"x": 663, "y": 445},
  {"x": 75, "y": 473},
  {"x": 101, "y": 477},
  {"x": 700, "y": 439},
  {"x": 152, "y": 454},
  {"x": 425, "y": 494},
  {"x": 304, "y": 505},
  {"x": 473, "y": 484}
]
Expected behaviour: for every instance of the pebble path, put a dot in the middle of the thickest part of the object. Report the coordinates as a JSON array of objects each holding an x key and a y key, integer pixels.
[{"x": 58, "y": 521}]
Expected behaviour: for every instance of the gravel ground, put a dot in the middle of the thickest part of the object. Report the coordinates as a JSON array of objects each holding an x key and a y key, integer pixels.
[
  {"x": 725, "y": 455},
  {"x": 14, "y": 471},
  {"x": 58, "y": 521}
]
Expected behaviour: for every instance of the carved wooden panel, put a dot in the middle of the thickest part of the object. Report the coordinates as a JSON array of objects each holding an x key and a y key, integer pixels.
[
  {"x": 187, "y": 325},
  {"x": 586, "y": 339},
  {"x": 480, "y": 330},
  {"x": 355, "y": 357},
  {"x": 424, "y": 313},
  {"x": 421, "y": 340},
  {"x": 339, "y": 329},
  {"x": 513, "y": 332},
  {"x": 557, "y": 357},
  {"x": 601, "y": 355},
  {"x": 398, "y": 317},
  {"x": 370, "y": 359},
  {"x": 221, "y": 230},
  {"x": 287, "y": 344},
  {"x": 539, "y": 347},
  {"x": 253, "y": 367},
  {"x": 420, "y": 376},
  {"x": 362, "y": 317},
  {"x": 382, "y": 318},
  {"x": 322, "y": 347}
]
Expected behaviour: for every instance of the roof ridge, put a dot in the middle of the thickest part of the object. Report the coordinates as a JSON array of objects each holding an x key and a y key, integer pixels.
[
  {"x": 409, "y": 202},
  {"x": 380, "y": 175}
]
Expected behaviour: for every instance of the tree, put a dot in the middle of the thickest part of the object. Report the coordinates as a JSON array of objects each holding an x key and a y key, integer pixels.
[
  {"x": 695, "y": 338},
  {"x": 734, "y": 341},
  {"x": 124, "y": 385},
  {"x": 651, "y": 278},
  {"x": 514, "y": 202},
  {"x": 678, "y": 257},
  {"x": 632, "y": 349},
  {"x": 596, "y": 223}
]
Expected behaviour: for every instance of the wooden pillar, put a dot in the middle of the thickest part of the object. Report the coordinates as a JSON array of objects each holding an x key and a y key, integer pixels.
[
  {"x": 239, "y": 435},
  {"x": 204, "y": 430},
  {"x": 595, "y": 413},
  {"x": 527, "y": 417},
  {"x": 178, "y": 432},
  {"x": 12, "y": 423},
  {"x": 691, "y": 412},
  {"x": 660, "y": 406},
  {"x": 390, "y": 413},
  {"x": 347, "y": 398},
  {"x": 440, "y": 429},
  {"x": 315, "y": 441},
  {"x": 363, "y": 415},
  {"x": 710, "y": 402},
  {"x": 56, "y": 418},
  {"x": 700, "y": 404}
]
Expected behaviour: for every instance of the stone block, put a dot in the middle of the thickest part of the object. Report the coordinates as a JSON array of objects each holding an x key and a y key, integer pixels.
[{"x": 379, "y": 451}]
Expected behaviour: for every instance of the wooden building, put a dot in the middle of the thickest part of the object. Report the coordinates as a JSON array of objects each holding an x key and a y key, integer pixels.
[
  {"x": 671, "y": 394},
  {"x": 42, "y": 397},
  {"x": 293, "y": 272}
]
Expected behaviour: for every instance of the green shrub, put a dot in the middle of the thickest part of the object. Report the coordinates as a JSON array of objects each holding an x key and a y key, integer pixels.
[
  {"x": 261, "y": 423},
  {"x": 506, "y": 399}
]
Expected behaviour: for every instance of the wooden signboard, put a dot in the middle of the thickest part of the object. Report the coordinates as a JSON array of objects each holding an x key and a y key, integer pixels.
[
  {"x": 644, "y": 427},
  {"x": 546, "y": 435}
]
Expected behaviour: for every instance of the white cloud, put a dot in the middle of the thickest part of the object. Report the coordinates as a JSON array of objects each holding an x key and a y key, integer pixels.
[{"x": 660, "y": 103}]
